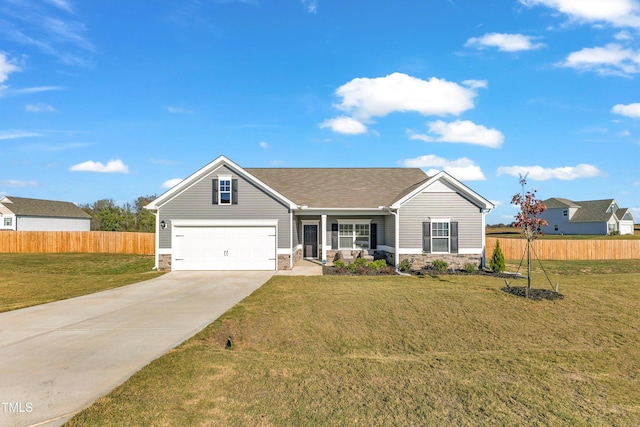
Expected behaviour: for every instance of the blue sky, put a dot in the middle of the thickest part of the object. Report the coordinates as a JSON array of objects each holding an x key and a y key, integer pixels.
[{"x": 118, "y": 99}]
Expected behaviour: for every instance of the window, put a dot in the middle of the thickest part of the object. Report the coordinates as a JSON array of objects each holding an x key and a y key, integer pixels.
[
  {"x": 8, "y": 221},
  {"x": 565, "y": 212},
  {"x": 354, "y": 235},
  {"x": 555, "y": 227},
  {"x": 440, "y": 236},
  {"x": 225, "y": 192}
]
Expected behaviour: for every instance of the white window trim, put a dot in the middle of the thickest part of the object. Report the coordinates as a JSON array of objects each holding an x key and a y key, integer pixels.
[
  {"x": 355, "y": 222},
  {"x": 225, "y": 178},
  {"x": 436, "y": 221}
]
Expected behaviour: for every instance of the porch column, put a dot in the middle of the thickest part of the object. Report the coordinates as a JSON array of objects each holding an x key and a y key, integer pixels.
[{"x": 323, "y": 238}]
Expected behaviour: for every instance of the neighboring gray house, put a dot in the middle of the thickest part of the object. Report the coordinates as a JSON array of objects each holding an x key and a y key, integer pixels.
[
  {"x": 225, "y": 217},
  {"x": 22, "y": 214},
  {"x": 587, "y": 217}
]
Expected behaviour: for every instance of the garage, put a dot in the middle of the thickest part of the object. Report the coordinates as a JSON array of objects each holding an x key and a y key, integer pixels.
[{"x": 224, "y": 245}]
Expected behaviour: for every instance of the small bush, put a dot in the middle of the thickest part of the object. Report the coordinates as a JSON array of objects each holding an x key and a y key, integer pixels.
[
  {"x": 352, "y": 267},
  {"x": 470, "y": 267},
  {"x": 496, "y": 263},
  {"x": 439, "y": 265},
  {"x": 378, "y": 265},
  {"x": 404, "y": 266},
  {"x": 360, "y": 262},
  {"x": 339, "y": 263}
]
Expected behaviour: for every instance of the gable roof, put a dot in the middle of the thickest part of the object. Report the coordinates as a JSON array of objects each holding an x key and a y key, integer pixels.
[
  {"x": 558, "y": 202},
  {"x": 330, "y": 188},
  {"x": 346, "y": 188},
  {"x": 588, "y": 210},
  {"x": 21, "y": 206}
]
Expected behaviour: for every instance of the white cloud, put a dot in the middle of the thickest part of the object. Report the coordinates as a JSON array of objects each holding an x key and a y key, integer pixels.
[
  {"x": 539, "y": 173},
  {"x": 619, "y": 13},
  {"x": 497, "y": 202},
  {"x": 61, "y": 4},
  {"x": 462, "y": 131},
  {"x": 7, "y": 66},
  {"x": 17, "y": 133},
  {"x": 310, "y": 5},
  {"x": 19, "y": 183},
  {"x": 623, "y": 35},
  {"x": 162, "y": 161},
  {"x": 112, "y": 166},
  {"x": 179, "y": 110},
  {"x": 504, "y": 42},
  {"x": 263, "y": 144},
  {"x": 171, "y": 183},
  {"x": 39, "y": 108},
  {"x": 609, "y": 59},
  {"x": 476, "y": 84},
  {"x": 463, "y": 169},
  {"x": 364, "y": 98},
  {"x": 629, "y": 110},
  {"x": 344, "y": 125}
]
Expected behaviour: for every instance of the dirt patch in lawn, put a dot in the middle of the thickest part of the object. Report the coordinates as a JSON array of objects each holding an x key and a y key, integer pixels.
[{"x": 535, "y": 294}]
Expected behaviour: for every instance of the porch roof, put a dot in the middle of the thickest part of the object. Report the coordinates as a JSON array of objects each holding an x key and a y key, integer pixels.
[{"x": 346, "y": 188}]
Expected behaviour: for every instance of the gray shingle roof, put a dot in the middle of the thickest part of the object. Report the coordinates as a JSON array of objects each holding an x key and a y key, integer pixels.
[
  {"x": 47, "y": 208},
  {"x": 557, "y": 202},
  {"x": 341, "y": 187},
  {"x": 589, "y": 210}
]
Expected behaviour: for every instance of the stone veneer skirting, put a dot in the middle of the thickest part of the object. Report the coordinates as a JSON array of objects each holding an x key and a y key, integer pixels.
[
  {"x": 454, "y": 260},
  {"x": 164, "y": 262}
]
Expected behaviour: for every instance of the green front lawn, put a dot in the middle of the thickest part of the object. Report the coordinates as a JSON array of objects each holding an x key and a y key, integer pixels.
[
  {"x": 31, "y": 279},
  {"x": 389, "y": 351}
]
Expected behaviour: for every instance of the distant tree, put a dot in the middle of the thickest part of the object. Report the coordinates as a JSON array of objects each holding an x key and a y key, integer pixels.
[
  {"x": 496, "y": 263},
  {"x": 106, "y": 215},
  {"x": 145, "y": 219},
  {"x": 528, "y": 220}
]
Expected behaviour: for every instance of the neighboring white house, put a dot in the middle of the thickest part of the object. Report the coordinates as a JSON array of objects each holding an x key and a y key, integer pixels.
[
  {"x": 601, "y": 217},
  {"x": 22, "y": 214},
  {"x": 226, "y": 217}
]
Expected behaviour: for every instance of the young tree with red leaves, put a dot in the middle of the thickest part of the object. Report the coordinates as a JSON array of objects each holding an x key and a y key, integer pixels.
[{"x": 528, "y": 220}]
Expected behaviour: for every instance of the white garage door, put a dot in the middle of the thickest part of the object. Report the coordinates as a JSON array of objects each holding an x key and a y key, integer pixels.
[
  {"x": 626, "y": 228},
  {"x": 251, "y": 247}
]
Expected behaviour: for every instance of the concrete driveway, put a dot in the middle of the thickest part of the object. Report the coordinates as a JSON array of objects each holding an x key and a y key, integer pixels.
[{"x": 57, "y": 358}]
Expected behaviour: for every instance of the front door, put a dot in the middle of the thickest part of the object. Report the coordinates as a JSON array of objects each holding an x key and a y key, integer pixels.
[{"x": 310, "y": 241}]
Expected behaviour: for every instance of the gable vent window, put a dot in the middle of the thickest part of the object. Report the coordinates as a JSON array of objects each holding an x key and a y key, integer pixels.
[{"x": 225, "y": 191}]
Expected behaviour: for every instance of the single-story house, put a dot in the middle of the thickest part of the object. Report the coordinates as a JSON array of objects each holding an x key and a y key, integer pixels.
[
  {"x": 599, "y": 217},
  {"x": 22, "y": 214},
  {"x": 226, "y": 217}
]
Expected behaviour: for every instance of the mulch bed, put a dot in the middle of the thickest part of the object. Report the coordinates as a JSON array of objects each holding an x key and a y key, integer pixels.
[
  {"x": 362, "y": 271},
  {"x": 535, "y": 294}
]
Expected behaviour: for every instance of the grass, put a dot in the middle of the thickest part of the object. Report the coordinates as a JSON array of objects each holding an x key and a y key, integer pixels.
[
  {"x": 32, "y": 279},
  {"x": 511, "y": 232},
  {"x": 387, "y": 351}
]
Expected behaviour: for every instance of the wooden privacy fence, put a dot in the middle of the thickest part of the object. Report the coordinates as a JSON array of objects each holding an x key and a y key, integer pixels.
[
  {"x": 111, "y": 242},
  {"x": 568, "y": 249}
]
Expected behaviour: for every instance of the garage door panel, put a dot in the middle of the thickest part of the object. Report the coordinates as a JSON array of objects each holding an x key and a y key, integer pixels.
[{"x": 225, "y": 248}]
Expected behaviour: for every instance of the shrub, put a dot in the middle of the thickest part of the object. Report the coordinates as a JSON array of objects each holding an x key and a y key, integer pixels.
[
  {"x": 470, "y": 267},
  {"x": 352, "y": 267},
  {"x": 339, "y": 263},
  {"x": 378, "y": 265},
  {"x": 404, "y": 266},
  {"x": 496, "y": 263},
  {"x": 440, "y": 266},
  {"x": 360, "y": 262}
]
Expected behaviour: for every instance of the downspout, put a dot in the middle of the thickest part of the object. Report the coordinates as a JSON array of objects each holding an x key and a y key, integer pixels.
[{"x": 157, "y": 215}]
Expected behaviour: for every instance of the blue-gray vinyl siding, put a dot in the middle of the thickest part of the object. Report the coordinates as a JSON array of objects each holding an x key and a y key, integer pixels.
[
  {"x": 555, "y": 217},
  {"x": 196, "y": 202},
  {"x": 452, "y": 206}
]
